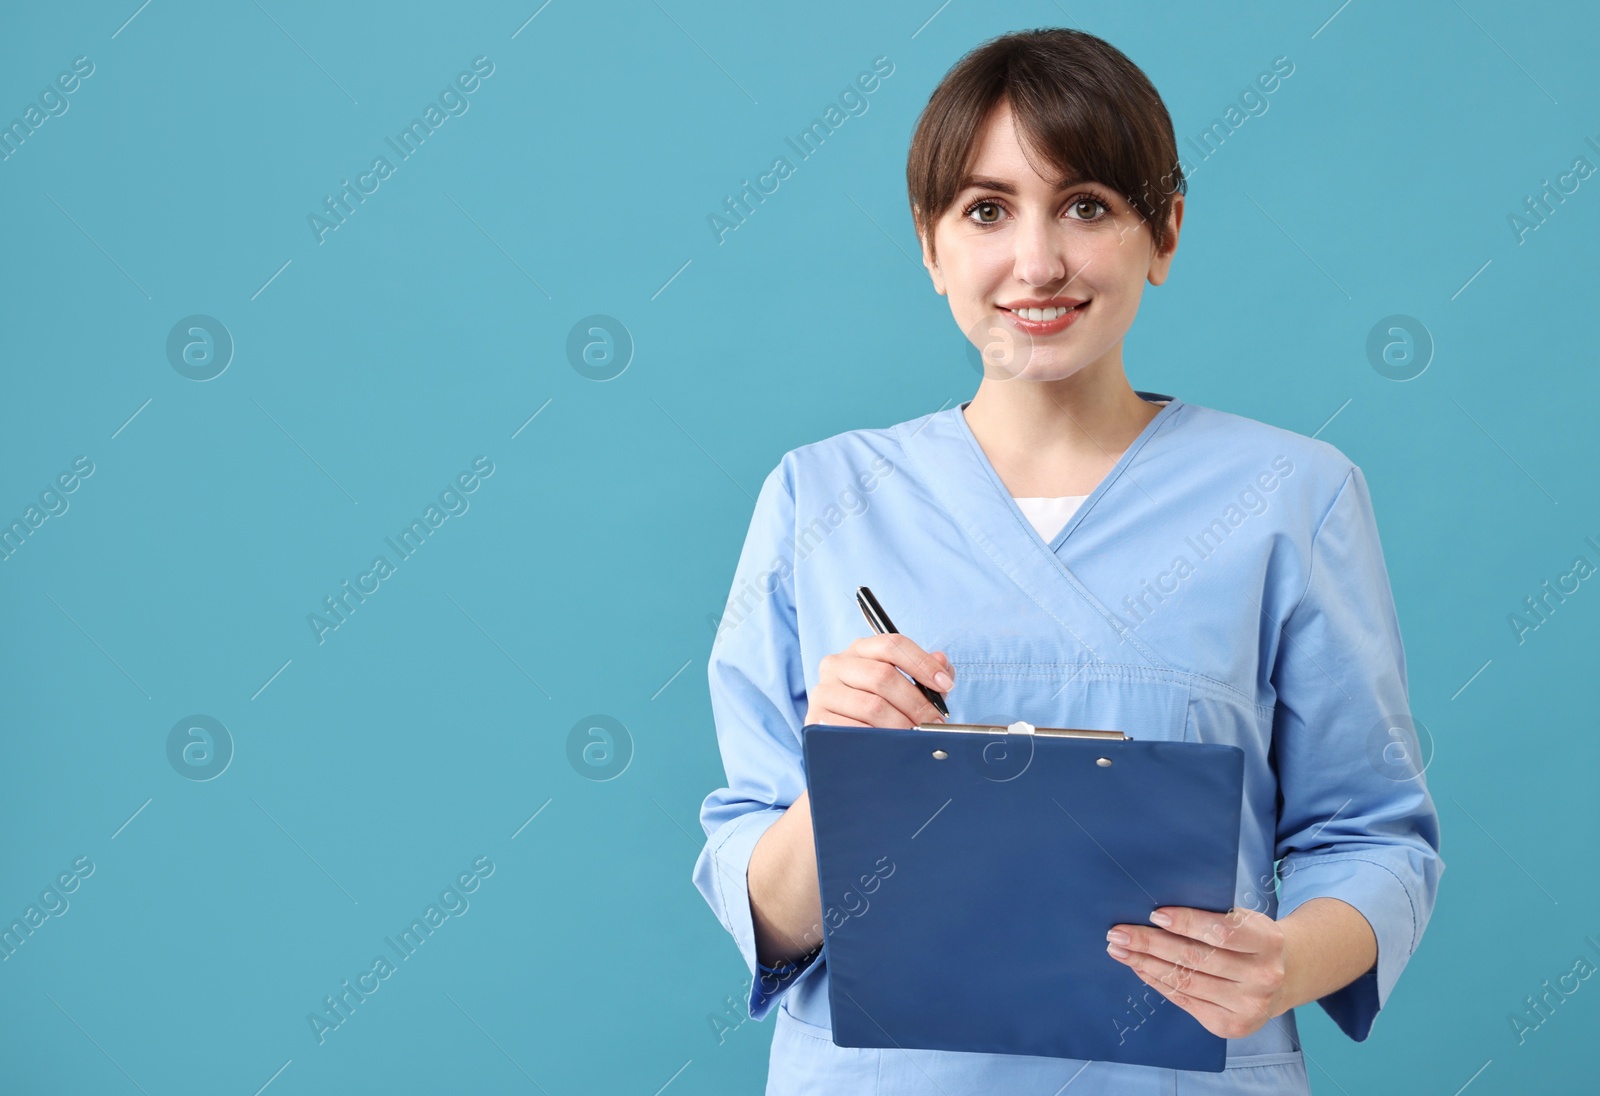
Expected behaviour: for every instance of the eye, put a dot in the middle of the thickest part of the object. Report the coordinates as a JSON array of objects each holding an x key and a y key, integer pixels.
[
  {"x": 1087, "y": 207},
  {"x": 984, "y": 203},
  {"x": 1090, "y": 200}
]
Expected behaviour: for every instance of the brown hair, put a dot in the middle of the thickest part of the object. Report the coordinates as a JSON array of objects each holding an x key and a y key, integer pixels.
[{"x": 1076, "y": 99}]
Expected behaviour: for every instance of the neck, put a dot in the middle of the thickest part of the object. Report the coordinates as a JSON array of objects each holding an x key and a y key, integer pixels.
[{"x": 1057, "y": 437}]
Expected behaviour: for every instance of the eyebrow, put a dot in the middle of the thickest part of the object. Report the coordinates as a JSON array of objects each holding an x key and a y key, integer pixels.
[{"x": 972, "y": 182}]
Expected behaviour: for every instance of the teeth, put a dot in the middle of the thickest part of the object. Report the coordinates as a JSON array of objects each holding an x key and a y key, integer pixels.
[{"x": 1043, "y": 315}]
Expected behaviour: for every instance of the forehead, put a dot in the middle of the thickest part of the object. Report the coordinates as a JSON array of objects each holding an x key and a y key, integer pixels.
[{"x": 998, "y": 156}]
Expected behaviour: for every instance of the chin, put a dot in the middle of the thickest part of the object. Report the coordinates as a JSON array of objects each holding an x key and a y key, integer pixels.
[{"x": 1043, "y": 364}]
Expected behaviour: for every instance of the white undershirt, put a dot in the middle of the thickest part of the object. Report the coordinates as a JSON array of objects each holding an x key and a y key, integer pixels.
[{"x": 1049, "y": 516}]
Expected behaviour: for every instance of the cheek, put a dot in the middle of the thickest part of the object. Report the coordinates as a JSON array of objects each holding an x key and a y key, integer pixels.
[
  {"x": 1118, "y": 269},
  {"x": 1119, "y": 308},
  {"x": 982, "y": 269},
  {"x": 1119, "y": 305}
]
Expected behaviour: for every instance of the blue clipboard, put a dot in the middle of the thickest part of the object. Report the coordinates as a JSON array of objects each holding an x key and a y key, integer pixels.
[{"x": 969, "y": 874}]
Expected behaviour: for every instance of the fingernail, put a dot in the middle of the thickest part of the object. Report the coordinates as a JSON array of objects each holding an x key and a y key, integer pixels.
[
  {"x": 943, "y": 680},
  {"x": 1159, "y": 918},
  {"x": 1120, "y": 953},
  {"x": 1117, "y": 936}
]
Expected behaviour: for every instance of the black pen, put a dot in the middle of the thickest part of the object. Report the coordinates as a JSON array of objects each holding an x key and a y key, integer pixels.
[{"x": 881, "y": 624}]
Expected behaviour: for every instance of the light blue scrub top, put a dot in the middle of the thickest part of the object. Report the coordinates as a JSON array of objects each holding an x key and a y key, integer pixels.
[{"x": 1224, "y": 583}]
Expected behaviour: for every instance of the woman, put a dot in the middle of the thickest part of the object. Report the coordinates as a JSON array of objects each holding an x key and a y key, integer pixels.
[{"x": 1067, "y": 550}]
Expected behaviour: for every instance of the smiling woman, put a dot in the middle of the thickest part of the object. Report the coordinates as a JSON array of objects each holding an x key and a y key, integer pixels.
[
  {"x": 1058, "y": 98},
  {"x": 1046, "y": 192}
]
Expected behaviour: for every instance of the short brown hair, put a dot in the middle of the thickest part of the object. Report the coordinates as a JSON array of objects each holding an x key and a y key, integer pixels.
[{"x": 1076, "y": 99}]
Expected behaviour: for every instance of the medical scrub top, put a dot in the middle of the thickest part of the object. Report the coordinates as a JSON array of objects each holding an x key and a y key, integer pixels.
[{"x": 1224, "y": 583}]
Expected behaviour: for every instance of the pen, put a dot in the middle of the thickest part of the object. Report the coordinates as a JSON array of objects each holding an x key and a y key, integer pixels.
[{"x": 881, "y": 624}]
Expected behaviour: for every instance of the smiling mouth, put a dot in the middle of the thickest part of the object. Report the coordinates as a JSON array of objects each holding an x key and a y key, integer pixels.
[
  {"x": 1045, "y": 321},
  {"x": 1043, "y": 315}
]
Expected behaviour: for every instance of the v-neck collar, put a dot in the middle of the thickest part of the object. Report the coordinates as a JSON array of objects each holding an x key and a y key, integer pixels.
[
  {"x": 957, "y": 472},
  {"x": 1054, "y": 545}
]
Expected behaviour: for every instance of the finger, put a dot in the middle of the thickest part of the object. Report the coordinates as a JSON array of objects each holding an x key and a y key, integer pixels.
[
  {"x": 1237, "y": 930},
  {"x": 1214, "y": 1018},
  {"x": 1186, "y": 980},
  {"x": 839, "y": 705},
  {"x": 866, "y": 693},
  {"x": 904, "y": 653},
  {"x": 833, "y": 719},
  {"x": 1180, "y": 950},
  {"x": 883, "y": 680},
  {"x": 853, "y": 689}
]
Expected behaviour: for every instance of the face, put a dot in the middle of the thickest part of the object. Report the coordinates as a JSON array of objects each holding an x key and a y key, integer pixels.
[{"x": 1012, "y": 242}]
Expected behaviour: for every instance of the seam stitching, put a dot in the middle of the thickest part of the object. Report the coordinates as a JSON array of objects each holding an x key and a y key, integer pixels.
[{"x": 1337, "y": 858}]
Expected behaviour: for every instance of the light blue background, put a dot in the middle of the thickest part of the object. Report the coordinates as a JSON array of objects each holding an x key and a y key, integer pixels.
[{"x": 587, "y": 574}]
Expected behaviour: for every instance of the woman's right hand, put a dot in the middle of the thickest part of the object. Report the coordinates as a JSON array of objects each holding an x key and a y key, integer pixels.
[
  {"x": 862, "y": 686},
  {"x": 858, "y": 687}
]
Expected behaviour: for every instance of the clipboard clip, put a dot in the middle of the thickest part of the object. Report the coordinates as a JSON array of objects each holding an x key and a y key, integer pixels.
[{"x": 1022, "y": 726}]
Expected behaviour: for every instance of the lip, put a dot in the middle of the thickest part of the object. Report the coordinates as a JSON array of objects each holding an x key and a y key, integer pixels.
[
  {"x": 1043, "y": 327},
  {"x": 1037, "y": 302}
]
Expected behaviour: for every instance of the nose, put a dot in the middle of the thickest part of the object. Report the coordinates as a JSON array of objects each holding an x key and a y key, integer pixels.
[{"x": 1041, "y": 258}]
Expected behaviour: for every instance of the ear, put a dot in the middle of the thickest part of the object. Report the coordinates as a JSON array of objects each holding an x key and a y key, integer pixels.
[
  {"x": 931, "y": 265},
  {"x": 1161, "y": 264}
]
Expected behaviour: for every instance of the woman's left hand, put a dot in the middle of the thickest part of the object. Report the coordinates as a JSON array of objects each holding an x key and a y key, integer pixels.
[{"x": 1227, "y": 970}]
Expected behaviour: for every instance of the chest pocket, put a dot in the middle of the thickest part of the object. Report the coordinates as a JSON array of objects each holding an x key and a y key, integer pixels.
[{"x": 1142, "y": 702}]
